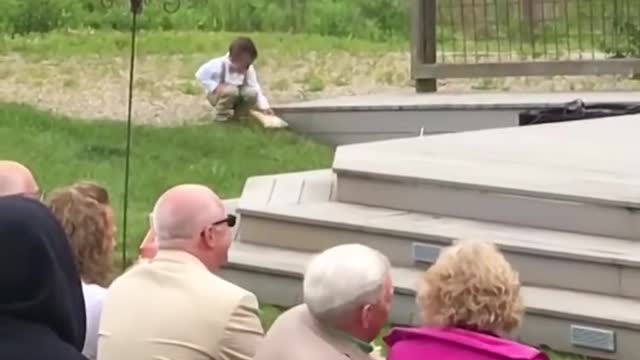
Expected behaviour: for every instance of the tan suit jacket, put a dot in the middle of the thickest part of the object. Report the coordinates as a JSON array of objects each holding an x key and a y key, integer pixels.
[
  {"x": 173, "y": 308},
  {"x": 296, "y": 335}
]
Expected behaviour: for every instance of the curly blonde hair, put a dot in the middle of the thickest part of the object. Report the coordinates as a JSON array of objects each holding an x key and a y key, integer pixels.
[
  {"x": 84, "y": 218},
  {"x": 471, "y": 286}
]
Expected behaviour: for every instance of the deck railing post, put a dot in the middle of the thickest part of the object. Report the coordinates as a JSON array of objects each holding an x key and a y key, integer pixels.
[{"x": 423, "y": 42}]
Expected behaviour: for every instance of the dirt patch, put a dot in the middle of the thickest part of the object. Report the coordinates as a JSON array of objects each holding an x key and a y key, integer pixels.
[{"x": 166, "y": 92}]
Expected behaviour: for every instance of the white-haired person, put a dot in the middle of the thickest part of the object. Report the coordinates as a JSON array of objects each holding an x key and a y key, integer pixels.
[
  {"x": 347, "y": 293},
  {"x": 470, "y": 301},
  {"x": 174, "y": 306}
]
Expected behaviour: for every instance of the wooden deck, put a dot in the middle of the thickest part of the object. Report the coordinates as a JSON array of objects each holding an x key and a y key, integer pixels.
[
  {"x": 481, "y": 100},
  {"x": 356, "y": 119},
  {"x": 562, "y": 202},
  {"x": 590, "y": 159},
  {"x": 576, "y": 176}
]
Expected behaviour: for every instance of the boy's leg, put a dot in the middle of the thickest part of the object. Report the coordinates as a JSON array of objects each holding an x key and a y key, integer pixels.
[
  {"x": 224, "y": 102},
  {"x": 248, "y": 100}
]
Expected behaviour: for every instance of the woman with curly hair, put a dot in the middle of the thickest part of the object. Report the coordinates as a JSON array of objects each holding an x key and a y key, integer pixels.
[
  {"x": 87, "y": 218},
  {"x": 469, "y": 299}
]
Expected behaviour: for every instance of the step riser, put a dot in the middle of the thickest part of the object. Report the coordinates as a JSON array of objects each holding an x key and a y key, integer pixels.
[
  {"x": 490, "y": 206},
  {"x": 537, "y": 329},
  {"x": 534, "y": 269},
  {"x": 552, "y": 333}
]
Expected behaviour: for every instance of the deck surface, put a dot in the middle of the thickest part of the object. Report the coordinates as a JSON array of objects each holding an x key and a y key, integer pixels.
[
  {"x": 411, "y": 100},
  {"x": 591, "y": 160}
]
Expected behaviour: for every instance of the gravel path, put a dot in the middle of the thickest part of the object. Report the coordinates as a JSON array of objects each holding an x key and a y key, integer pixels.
[{"x": 165, "y": 92}]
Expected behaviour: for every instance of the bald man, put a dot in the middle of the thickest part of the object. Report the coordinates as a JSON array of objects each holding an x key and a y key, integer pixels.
[
  {"x": 17, "y": 179},
  {"x": 174, "y": 307}
]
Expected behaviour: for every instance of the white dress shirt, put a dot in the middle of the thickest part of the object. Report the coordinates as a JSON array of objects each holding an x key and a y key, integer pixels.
[
  {"x": 210, "y": 75},
  {"x": 93, "y": 299}
]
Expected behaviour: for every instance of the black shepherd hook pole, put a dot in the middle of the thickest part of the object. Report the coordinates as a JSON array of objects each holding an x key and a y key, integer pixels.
[
  {"x": 170, "y": 7},
  {"x": 136, "y": 9}
]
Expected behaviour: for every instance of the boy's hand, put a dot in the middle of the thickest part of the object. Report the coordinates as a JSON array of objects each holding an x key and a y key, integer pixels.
[{"x": 218, "y": 89}]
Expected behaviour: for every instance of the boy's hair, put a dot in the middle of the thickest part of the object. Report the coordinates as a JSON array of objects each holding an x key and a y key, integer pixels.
[{"x": 243, "y": 45}]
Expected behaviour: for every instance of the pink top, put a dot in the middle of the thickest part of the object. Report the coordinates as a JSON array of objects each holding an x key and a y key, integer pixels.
[{"x": 455, "y": 344}]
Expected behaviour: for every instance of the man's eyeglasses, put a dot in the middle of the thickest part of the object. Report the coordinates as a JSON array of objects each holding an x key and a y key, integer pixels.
[
  {"x": 230, "y": 221},
  {"x": 37, "y": 195}
]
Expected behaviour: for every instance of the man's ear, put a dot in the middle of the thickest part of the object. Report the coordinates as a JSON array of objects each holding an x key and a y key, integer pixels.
[
  {"x": 207, "y": 238},
  {"x": 365, "y": 315}
]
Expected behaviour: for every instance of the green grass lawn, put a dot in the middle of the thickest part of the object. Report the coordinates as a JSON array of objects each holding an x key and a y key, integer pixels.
[
  {"x": 61, "y": 150},
  {"x": 60, "y": 44}
]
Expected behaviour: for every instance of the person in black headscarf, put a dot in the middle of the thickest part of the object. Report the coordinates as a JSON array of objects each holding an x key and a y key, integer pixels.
[{"x": 41, "y": 304}]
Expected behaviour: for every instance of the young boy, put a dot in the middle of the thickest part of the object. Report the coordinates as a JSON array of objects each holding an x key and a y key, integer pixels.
[{"x": 231, "y": 83}]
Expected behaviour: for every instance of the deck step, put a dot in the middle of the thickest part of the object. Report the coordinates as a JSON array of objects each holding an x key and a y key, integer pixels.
[
  {"x": 543, "y": 257},
  {"x": 577, "y": 322},
  {"x": 578, "y": 176}
]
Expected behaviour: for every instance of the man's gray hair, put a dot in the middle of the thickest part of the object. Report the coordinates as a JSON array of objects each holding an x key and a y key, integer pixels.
[{"x": 342, "y": 278}]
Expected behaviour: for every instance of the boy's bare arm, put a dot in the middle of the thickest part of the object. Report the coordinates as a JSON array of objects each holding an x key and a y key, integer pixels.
[{"x": 252, "y": 81}]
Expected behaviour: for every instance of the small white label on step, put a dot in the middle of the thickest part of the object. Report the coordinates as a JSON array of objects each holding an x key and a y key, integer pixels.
[
  {"x": 425, "y": 253},
  {"x": 593, "y": 338}
]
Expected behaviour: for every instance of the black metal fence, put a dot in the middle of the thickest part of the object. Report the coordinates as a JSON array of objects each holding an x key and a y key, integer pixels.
[{"x": 472, "y": 31}]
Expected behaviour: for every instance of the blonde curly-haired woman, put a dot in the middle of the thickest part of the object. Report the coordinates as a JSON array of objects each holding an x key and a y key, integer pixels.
[
  {"x": 469, "y": 300},
  {"x": 87, "y": 217}
]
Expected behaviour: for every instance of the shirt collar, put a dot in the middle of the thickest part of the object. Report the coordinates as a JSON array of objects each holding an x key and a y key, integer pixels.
[
  {"x": 177, "y": 256},
  {"x": 227, "y": 62},
  {"x": 360, "y": 344}
]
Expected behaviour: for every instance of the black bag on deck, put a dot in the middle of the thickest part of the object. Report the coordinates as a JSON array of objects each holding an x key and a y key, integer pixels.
[{"x": 575, "y": 110}]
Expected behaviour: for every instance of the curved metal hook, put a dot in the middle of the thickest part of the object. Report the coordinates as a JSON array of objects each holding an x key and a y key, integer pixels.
[
  {"x": 136, "y": 6},
  {"x": 107, "y": 4},
  {"x": 171, "y": 8}
]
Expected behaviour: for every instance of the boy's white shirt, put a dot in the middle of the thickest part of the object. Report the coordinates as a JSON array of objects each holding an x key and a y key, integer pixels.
[{"x": 210, "y": 74}]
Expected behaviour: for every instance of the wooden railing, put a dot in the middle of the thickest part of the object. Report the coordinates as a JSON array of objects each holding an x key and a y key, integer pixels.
[{"x": 500, "y": 38}]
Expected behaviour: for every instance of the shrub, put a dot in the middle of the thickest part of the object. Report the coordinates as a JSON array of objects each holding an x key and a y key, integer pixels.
[{"x": 368, "y": 19}]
